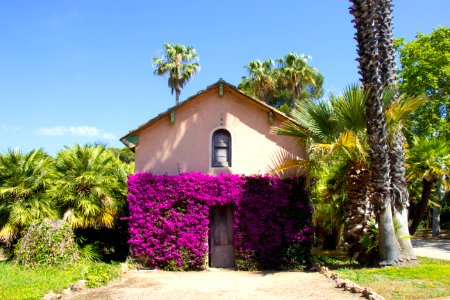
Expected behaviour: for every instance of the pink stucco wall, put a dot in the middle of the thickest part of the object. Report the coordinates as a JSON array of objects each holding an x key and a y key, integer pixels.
[{"x": 185, "y": 146}]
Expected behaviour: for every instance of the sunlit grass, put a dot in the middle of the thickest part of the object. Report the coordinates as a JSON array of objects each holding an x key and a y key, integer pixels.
[
  {"x": 18, "y": 283},
  {"x": 430, "y": 279}
]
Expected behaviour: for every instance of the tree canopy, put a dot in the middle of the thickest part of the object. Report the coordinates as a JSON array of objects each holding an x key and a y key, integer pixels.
[
  {"x": 425, "y": 70},
  {"x": 282, "y": 82}
]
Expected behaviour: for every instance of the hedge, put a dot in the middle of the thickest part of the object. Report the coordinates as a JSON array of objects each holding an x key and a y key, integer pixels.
[{"x": 169, "y": 220}]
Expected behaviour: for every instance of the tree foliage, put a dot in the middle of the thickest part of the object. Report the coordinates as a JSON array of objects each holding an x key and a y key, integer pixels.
[
  {"x": 85, "y": 185},
  {"x": 24, "y": 181},
  {"x": 428, "y": 163},
  {"x": 282, "y": 82},
  {"x": 89, "y": 186},
  {"x": 425, "y": 70},
  {"x": 124, "y": 154},
  {"x": 179, "y": 63},
  {"x": 338, "y": 156}
]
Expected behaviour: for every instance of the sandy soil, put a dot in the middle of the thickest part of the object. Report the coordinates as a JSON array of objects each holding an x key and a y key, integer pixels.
[{"x": 219, "y": 284}]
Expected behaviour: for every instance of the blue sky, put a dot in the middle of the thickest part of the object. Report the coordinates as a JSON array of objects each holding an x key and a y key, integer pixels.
[{"x": 80, "y": 71}]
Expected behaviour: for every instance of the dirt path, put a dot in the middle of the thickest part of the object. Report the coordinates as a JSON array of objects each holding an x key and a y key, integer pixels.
[
  {"x": 432, "y": 248},
  {"x": 223, "y": 284}
]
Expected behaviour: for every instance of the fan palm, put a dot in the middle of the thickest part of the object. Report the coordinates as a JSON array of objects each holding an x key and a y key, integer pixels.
[
  {"x": 89, "y": 186},
  {"x": 261, "y": 81},
  {"x": 428, "y": 160},
  {"x": 297, "y": 75},
  {"x": 178, "y": 61},
  {"x": 24, "y": 180},
  {"x": 335, "y": 131}
]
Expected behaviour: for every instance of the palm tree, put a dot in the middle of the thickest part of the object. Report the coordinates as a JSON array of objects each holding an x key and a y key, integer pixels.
[
  {"x": 261, "y": 81},
  {"x": 335, "y": 131},
  {"x": 24, "y": 180},
  {"x": 335, "y": 134},
  {"x": 365, "y": 13},
  {"x": 282, "y": 82},
  {"x": 178, "y": 62},
  {"x": 387, "y": 69},
  {"x": 298, "y": 76},
  {"x": 89, "y": 186},
  {"x": 396, "y": 117},
  {"x": 428, "y": 161}
]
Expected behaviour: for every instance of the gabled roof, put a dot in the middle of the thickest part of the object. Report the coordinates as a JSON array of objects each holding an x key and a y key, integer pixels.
[{"x": 130, "y": 138}]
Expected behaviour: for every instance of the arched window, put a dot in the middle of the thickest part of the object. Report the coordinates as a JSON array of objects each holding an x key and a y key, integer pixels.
[{"x": 221, "y": 148}]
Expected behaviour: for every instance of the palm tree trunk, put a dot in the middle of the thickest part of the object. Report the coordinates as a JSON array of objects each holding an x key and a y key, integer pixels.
[
  {"x": 400, "y": 201},
  {"x": 437, "y": 214},
  {"x": 421, "y": 209},
  {"x": 364, "y": 13},
  {"x": 177, "y": 97},
  {"x": 357, "y": 209},
  {"x": 400, "y": 195},
  {"x": 386, "y": 48}
]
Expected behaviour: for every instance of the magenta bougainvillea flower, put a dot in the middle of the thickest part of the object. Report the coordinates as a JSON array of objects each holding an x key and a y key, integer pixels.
[{"x": 169, "y": 219}]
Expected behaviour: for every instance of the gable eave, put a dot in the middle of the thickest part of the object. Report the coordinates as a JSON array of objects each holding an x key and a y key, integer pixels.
[{"x": 132, "y": 133}]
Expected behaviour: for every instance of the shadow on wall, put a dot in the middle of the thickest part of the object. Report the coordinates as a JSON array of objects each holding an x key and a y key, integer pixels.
[{"x": 281, "y": 164}]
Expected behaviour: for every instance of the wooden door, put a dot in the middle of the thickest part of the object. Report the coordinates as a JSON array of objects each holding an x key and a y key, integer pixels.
[{"x": 221, "y": 237}]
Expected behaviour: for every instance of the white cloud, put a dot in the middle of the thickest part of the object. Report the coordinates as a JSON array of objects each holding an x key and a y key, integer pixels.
[{"x": 85, "y": 131}]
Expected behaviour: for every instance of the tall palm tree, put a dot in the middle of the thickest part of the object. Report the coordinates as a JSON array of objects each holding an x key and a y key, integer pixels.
[
  {"x": 365, "y": 13},
  {"x": 89, "y": 186},
  {"x": 396, "y": 116},
  {"x": 400, "y": 196},
  {"x": 428, "y": 161},
  {"x": 178, "y": 62},
  {"x": 24, "y": 180}
]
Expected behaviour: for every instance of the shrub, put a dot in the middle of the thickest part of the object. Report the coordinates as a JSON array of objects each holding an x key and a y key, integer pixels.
[{"x": 46, "y": 243}]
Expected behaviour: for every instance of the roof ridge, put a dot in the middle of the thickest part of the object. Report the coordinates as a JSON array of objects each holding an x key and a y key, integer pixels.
[{"x": 220, "y": 81}]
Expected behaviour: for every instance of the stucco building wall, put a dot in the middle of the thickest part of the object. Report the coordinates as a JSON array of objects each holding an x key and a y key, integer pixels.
[{"x": 185, "y": 145}]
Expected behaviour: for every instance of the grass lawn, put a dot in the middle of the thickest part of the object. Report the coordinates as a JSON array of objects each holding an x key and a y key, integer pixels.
[
  {"x": 18, "y": 283},
  {"x": 431, "y": 279}
]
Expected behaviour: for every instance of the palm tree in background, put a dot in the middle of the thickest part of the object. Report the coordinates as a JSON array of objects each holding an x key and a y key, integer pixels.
[
  {"x": 261, "y": 81},
  {"x": 24, "y": 180},
  {"x": 89, "y": 186},
  {"x": 300, "y": 78},
  {"x": 429, "y": 162},
  {"x": 178, "y": 62},
  {"x": 283, "y": 82}
]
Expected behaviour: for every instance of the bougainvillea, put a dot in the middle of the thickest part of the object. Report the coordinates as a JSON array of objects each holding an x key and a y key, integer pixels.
[{"x": 169, "y": 220}]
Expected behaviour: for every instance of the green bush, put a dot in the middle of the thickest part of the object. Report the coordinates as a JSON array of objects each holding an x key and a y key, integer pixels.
[
  {"x": 46, "y": 243},
  {"x": 98, "y": 274}
]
